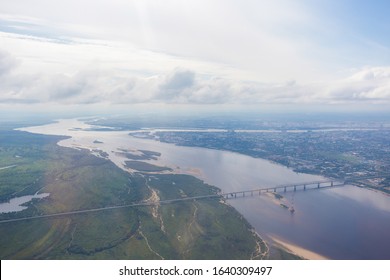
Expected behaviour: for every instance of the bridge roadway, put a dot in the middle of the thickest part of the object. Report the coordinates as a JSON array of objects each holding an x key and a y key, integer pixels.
[
  {"x": 295, "y": 187},
  {"x": 285, "y": 188}
]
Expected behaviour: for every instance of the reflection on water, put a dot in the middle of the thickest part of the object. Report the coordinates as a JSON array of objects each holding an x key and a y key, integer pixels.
[{"x": 339, "y": 223}]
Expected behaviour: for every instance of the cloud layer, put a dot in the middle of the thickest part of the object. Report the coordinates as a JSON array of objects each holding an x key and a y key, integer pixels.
[
  {"x": 200, "y": 52},
  {"x": 183, "y": 86}
]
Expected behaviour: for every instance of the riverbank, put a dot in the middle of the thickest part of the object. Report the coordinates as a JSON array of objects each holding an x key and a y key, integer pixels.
[
  {"x": 78, "y": 180},
  {"x": 296, "y": 250},
  {"x": 328, "y": 215}
]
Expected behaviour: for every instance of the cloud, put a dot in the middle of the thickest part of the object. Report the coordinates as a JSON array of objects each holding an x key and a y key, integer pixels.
[
  {"x": 7, "y": 63},
  {"x": 106, "y": 84},
  {"x": 19, "y": 101},
  {"x": 213, "y": 91},
  {"x": 267, "y": 41},
  {"x": 366, "y": 85},
  {"x": 176, "y": 84},
  {"x": 33, "y": 28},
  {"x": 82, "y": 87},
  {"x": 179, "y": 80}
]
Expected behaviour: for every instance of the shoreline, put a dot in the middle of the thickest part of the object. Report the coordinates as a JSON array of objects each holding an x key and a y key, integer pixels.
[
  {"x": 272, "y": 162},
  {"x": 297, "y": 250},
  {"x": 110, "y": 148}
]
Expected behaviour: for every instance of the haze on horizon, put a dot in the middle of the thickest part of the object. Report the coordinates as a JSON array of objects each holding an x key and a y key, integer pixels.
[{"x": 330, "y": 55}]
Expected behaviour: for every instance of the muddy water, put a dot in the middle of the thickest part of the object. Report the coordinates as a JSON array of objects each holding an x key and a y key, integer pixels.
[{"x": 337, "y": 223}]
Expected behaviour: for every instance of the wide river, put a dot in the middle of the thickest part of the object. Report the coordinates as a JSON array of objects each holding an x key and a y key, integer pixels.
[{"x": 336, "y": 223}]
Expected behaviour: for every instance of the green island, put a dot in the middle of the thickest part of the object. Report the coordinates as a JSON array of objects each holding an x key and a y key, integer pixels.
[
  {"x": 142, "y": 154},
  {"x": 77, "y": 180},
  {"x": 145, "y": 167}
]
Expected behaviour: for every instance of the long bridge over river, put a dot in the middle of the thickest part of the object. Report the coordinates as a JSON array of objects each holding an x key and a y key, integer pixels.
[
  {"x": 228, "y": 195},
  {"x": 284, "y": 188}
]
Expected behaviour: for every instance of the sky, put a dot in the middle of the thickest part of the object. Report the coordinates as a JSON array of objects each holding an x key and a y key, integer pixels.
[{"x": 320, "y": 54}]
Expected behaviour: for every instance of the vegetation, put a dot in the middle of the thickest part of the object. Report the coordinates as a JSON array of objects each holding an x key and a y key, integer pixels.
[
  {"x": 206, "y": 229},
  {"x": 143, "y": 154},
  {"x": 277, "y": 195},
  {"x": 145, "y": 167},
  {"x": 279, "y": 253}
]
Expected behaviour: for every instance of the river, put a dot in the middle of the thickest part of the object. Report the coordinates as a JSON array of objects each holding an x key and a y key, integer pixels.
[{"x": 336, "y": 223}]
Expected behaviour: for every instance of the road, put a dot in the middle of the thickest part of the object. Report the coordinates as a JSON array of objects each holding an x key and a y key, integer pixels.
[
  {"x": 110, "y": 208},
  {"x": 161, "y": 202}
]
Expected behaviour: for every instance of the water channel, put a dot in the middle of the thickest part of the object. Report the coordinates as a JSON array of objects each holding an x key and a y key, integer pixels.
[
  {"x": 16, "y": 204},
  {"x": 337, "y": 223}
]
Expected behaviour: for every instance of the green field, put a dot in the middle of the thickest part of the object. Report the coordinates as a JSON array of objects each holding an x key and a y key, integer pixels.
[{"x": 76, "y": 180}]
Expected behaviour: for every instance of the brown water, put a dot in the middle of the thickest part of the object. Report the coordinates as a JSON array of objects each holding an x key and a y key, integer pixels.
[{"x": 338, "y": 223}]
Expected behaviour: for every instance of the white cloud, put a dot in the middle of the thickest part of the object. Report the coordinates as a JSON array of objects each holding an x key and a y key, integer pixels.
[
  {"x": 366, "y": 85},
  {"x": 7, "y": 63},
  {"x": 254, "y": 36},
  {"x": 184, "y": 86},
  {"x": 187, "y": 52}
]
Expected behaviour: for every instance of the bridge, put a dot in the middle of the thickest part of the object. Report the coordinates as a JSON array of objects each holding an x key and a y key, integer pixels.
[
  {"x": 228, "y": 195},
  {"x": 284, "y": 188}
]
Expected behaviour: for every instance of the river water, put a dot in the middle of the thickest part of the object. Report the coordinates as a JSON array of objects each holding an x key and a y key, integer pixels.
[
  {"x": 16, "y": 204},
  {"x": 337, "y": 223}
]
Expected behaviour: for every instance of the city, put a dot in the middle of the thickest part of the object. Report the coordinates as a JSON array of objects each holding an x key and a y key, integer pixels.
[{"x": 355, "y": 153}]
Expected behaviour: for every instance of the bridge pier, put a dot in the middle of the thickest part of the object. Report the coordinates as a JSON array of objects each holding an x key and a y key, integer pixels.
[
  {"x": 295, "y": 188},
  {"x": 318, "y": 186},
  {"x": 304, "y": 187},
  {"x": 274, "y": 189},
  {"x": 331, "y": 183},
  {"x": 285, "y": 189}
]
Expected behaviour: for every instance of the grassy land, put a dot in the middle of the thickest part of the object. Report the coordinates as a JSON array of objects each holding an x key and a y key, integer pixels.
[
  {"x": 145, "y": 167},
  {"x": 29, "y": 154},
  {"x": 206, "y": 229}
]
